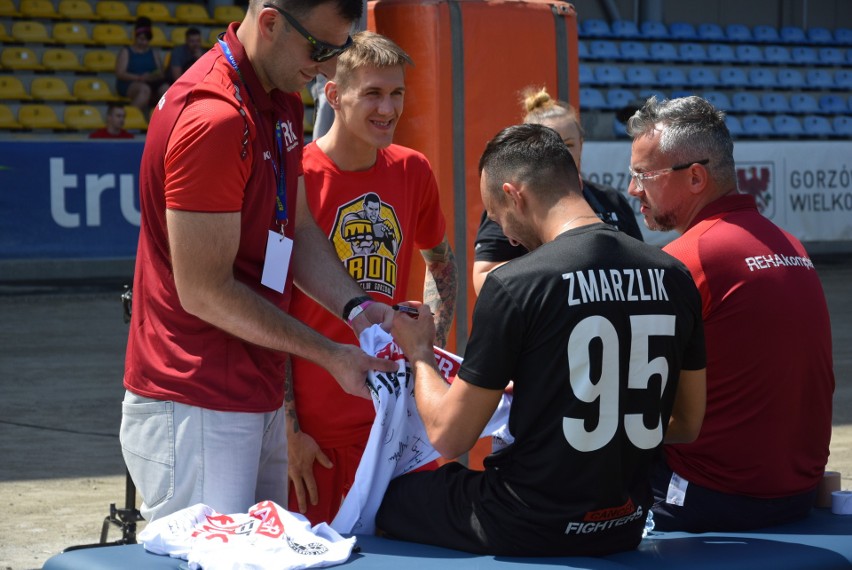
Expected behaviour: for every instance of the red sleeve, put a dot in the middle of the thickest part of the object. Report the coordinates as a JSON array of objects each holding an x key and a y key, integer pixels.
[{"x": 432, "y": 232}]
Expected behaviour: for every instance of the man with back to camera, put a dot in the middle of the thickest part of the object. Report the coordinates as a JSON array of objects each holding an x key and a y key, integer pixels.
[
  {"x": 225, "y": 234},
  {"x": 764, "y": 443},
  {"x": 603, "y": 339}
]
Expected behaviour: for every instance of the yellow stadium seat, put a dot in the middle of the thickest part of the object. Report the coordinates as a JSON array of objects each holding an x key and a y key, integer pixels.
[
  {"x": 31, "y": 32},
  {"x": 178, "y": 35},
  {"x": 71, "y": 33},
  {"x": 94, "y": 89},
  {"x": 39, "y": 9},
  {"x": 83, "y": 118},
  {"x": 4, "y": 37},
  {"x": 39, "y": 116},
  {"x": 213, "y": 36},
  {"x": 158, "y": 37},
  {"x": 61, "y": 59},
  {"x": 11, "y": 88},
  {"x": 77, "y": 10},
  {"x": 110, "y": 35},
  {"x": 227, "y": 14},
  {"x": 156, "y": 11},
  {"x": 192, "y": 14},
  {"x": 8, "y": 120},
  {"x": 50, "y": 89},
  {"x": 99, "y": 60},
  {"x": 135, "y": 120},
  {"x": 20, "y": 58},
  {"x": 114, "y": 10},
  {"x": 9, "y": 10},
  {"x": 307, "y": 97}
]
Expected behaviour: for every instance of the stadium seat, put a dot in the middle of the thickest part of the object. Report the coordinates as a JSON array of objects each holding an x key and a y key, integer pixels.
[
  {"x": 77, "y": 10},
  {"x": 756, "y": 126},
  {"x": 787, "y": 126},
  {"x": 702, "y": 77},
  {"x": 213, "y": 36},
  {"x": 31, "y": 32},
  {"x": 734, "y": 126},
  {"x": 135, "y": 120},
  {"x": 679, "y": 93},
  {"x": 307, "y": 97},
  {"x": 749, "y": 54},
  {"x": 710, "y": 32},
  {"x": 789, "y": 78},
  {"x": 671, "y": 77},
  {"x": 633, "y": 51},
  {"x": 682, "y": 31},
  {"x": 832, "y": 104},
  {"x": 625, "y": 29},
  {"x": 594, "y": 28},
  {"x": 20, "y": 58},
  {"x": 718, "y": 99},
  {"x": 774, "y": 103},
  {"x": 591, "y": 98},
  {"x": 819, "y": 79},
  {"x": 61, "y": 59},
  {"x": 99, "y": 60},
  {"x": 8, "y": 9},
  {"x": 778, "y": 55},
  {"x": 619, "y": 129},
  {"x": 804, "y": 55},
  {"x": 114, "y": 10},
  {"x": 156, "y": 11},
  {"x": 71, "y": 33},
  {"x": 582, "y": 50},
  {"x": 843, "y": 79},
  {"x": 8, "y": 120},
  {"x": 762, "y": 78},
  {"x": 849, "y": 56},
  {"x": 692, "y": 52},
  {"x": 793, "y": 35},
  {"x": 83, "y": 118},
  {"x": 610, "y": 75},
  {"x": 721, "y": 53},
  {"x": 619, "y": 98},
  {"x": 586, "y": 74},
  {"x": 39, "y": 116},
  {"x": 50, "y": 89},
  {"x": 603, "y": 50},
  {"x": 12, "y": 89},
  {"x": 831, "y": 56},
  {"x": 646, "y": 94},
  {"x": 110, "y": 34},
  {"x": 654, "y": 31},
  {"x": 4, "y": 35},
  {"x": 639, "y": 75},
  {"x": 738, "y": 33},
  {"x": 745, "y": 102},
  {"x": 663, "y": 52},
  {"x": 803, "y": 103},
  {"x": 228, "y": 13},
  {"x": 820, "y": 36},
  {"x": 192, "y": 14},
  {"x": 843, "y": 36},
  {"x": 842, "y": 126},
  {"x": 39, "y": 9},
  {"x": 733, "y": 77},
  {"x": 765, "y": 34},
  {"x": 159, "y": 39},
  {"x": 816, "y": 126},
  {"x": 178, "y": 35},
  {"x": 93, "y": 89}
]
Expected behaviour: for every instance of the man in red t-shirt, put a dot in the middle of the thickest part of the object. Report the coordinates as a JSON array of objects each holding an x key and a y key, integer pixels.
[
  {"x": 378, "y": 204},
  {"x": 764, "y": 443},
  {"x": 114, "y": 128},
  {"x": 225, "y": 234}
]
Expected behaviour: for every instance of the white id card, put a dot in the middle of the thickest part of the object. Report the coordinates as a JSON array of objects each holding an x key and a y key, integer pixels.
[
  {"x": 279, "y": 248},
  {"x": 677, "y": 490}
]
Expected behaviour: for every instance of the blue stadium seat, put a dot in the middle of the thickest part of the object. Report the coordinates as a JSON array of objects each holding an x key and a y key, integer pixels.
[
  {"x": 777, "y": 54},
  {"x": 789, "y": 78},
  {"x": 608, "y": 74},
  {"x": 745, "y": 102},
  {"x": 793, "y": 35},
  {"x": 762, "y": 78},
  {"x": 831, "y": 56},
  {"x": 671, "y": 77},
  {"x": 803, "y": 103},
  {"x": 733, "y": 77},
  {"x": 734, "y": 126},
  {"x": 843, "y": 79},
  {"x": 843, "y": 36},
  {"x": 663, "y": 51},
  {"x": 619, "y": 129},
  {"x": 816, "y": 126},
  {"x": 749, "y": 54},
  {"x": 804, "y": 55},
  {"x": 702, "y": 77},
  {"x": 774, "y": 103},
  {"x": 591, "y": 98},
  {"x": 832, "y": 104},
  {"x": 738, "y": 33},
  {"x": 692, "y": 52},
  {"x": 787, "y": 126},
  {"x": 646, "y": 94},
  {"x": 640, "y": 75},
  {"x": 587, "y": 75},
  {"x": 850, "y": 105},
  {"x": 819, "y": 79},
  {"x": 765, "y": 34},
  {"x": 721, "y": 53},
  {"x": 679, "y": 93},
  {"x": 756, "y": 126},
  {"x": 683, "y": 31},
  {"x": 582, "y": 50},
  {"x": 625, "y": 29},
  {"x": 603, "y": 50},
  {"x": 718, "y": 99},
  {"x": 849, "y": 56},
  {"x": 595, "y": 28},
  {"x": 710, "y": 32},
  {"x": 654, "y": 31},
  {"x": 820, "y": 36},
  {"x": 619, "y": 98},
  {"x": 633, "y": 51},
  {"x": 842, "y": 126}
]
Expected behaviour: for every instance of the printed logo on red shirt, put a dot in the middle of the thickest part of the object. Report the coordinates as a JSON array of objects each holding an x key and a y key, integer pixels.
[{"x": 758, "y": 179}]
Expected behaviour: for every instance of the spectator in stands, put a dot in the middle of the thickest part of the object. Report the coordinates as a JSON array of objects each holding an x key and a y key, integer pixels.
[
  {"x": 139, "y": 71},
  {"x": 183, "y": 56},
  {"x": 114, "y": 128},
  {"x": 765, "y": 440}
]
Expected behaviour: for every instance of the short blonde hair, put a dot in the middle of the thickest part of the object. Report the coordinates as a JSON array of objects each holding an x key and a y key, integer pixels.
[
  {"x": 539, "y": 106},
  {"x": 369, "y": 49}
]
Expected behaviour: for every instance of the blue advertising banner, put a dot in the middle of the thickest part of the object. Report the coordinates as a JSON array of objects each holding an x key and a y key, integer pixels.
[{"x": 61, "y": 200}]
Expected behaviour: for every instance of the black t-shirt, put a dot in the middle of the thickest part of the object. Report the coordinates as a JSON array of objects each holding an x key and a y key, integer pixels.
[
  {"x": 607, "y": 202},
  {"x": 593, "y": 328}
]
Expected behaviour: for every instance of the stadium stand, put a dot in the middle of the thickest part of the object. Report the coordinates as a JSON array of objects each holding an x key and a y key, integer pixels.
[
  {"x": 114, "y": 11},
  {"x": 83, "y": 117},
  {"x": 39, "y": 9},
  {"x": 20, "y": 58},
  {"x": 77, "y": 10},
  {"x": 135, "y": 120},
  {"x": 71, "y": 33},
  {"x": 8, "y": 120},
  {"x": 50, "y": 89},
  {"x": 39, "y": 116},
  {"x": 61, "y": 60},
  {"x": 11, "y": 88}
]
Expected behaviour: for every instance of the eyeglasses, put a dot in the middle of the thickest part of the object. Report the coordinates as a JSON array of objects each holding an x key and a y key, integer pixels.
[
  {"x": 322, "y": 51},
  {"x": 641, "y": 177}
]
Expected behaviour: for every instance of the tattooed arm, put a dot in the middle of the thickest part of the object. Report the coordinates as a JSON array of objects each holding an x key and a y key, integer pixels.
[{"x": 440, "y": 287}]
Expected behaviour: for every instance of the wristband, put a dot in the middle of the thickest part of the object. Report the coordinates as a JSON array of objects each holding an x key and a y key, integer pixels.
[
  {"x": 358, "y": 310},
  {"x": 352, "y": 304}
]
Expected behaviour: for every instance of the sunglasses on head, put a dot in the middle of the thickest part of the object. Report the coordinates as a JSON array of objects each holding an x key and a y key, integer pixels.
[{"x": 322, "y": 51}]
